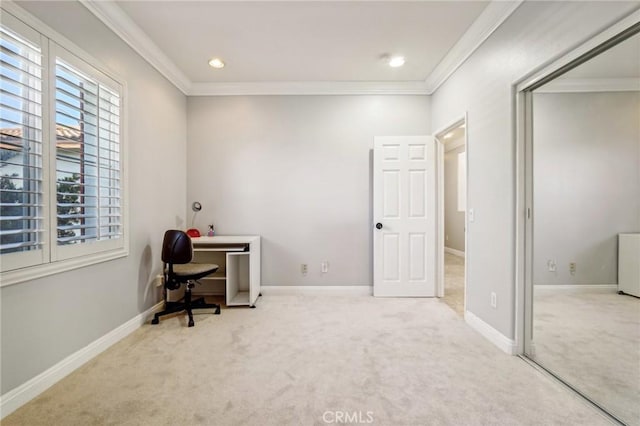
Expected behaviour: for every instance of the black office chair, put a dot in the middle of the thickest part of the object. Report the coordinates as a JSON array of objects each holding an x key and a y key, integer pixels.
[{"x": 177, "y": 253}]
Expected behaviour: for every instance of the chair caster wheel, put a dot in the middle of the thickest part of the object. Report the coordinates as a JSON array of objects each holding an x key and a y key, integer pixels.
[
  {"x": 155, "y": 321},
  {"x": 217, "y": 312},
  {"x": 191, "y": 324}
]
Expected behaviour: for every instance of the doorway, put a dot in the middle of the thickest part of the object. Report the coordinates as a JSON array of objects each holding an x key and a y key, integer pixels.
[{"x": 452, "y": 189}]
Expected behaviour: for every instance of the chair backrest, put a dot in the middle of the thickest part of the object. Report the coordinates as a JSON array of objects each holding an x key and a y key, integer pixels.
[{"x": 176, "y": 247}]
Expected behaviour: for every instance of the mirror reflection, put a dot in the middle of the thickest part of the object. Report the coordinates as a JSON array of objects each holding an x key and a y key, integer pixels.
[{"x": 586, "y": 229}]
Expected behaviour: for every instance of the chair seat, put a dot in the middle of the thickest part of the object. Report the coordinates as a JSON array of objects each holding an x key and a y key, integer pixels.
[{"x": 194, "y": 268}]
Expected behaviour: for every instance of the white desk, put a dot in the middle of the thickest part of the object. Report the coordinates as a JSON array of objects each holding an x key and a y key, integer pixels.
[
  {"x": 629, "y": 264},
  {"x": 239, "y": 261}
]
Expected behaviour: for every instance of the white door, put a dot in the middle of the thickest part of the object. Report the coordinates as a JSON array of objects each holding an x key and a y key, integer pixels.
[{"x": 404, "y": 213}]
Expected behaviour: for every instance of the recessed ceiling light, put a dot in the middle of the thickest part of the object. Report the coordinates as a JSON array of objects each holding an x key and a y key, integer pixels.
[
  {"x": 216, "y": 63},
  {"x": 396, "y": 61}
]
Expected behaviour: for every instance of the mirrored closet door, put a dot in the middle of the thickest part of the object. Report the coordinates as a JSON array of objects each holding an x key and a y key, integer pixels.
[{"x": 584, "y": 185}]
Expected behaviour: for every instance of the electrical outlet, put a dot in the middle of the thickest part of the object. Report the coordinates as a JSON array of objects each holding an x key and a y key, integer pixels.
[
  {"x": 572, "y": 268},
  {"x": 304, "y": 268},
  {"x": 446, "y": 237},
  {"x": 551, "y": 265},
  {"x": 324, "y": 266},
  {"x": 494, "y": 300}
]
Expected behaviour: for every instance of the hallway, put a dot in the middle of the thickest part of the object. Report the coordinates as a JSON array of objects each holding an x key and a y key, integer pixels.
[{"x": 454, "y": 282}]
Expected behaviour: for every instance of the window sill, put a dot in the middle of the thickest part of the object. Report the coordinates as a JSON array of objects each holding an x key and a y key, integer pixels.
[{"x": 40, "y": 271}]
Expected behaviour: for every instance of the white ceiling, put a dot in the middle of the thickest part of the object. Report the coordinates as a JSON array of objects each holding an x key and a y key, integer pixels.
[
  {"x": 304, "y": 41},
  {"x": 304, "y": 46}
]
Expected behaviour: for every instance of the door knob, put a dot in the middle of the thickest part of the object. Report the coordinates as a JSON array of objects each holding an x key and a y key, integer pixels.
[{"x": 378, "y": 225}]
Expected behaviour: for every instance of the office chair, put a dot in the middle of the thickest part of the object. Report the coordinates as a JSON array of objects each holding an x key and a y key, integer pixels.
[{"x": 177, "y": 253}]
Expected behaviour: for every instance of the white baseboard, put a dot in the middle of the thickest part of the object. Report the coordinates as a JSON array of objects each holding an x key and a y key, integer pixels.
[
  {"x": 16, "y": 398},
  {"x": 578, "y": 287},
  {"x": 454, "y": 252},
  {"x": 317, "y": 290},
  {"x": 494, "y": 336}
]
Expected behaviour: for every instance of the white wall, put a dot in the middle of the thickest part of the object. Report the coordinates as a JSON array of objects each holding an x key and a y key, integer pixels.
[
  {"x": 586, "y": 151},
  {"x": 45, "y": 320},
  {"x": 453, "y": 219},
  {"x": 297, "y": 171},
  {"x": 535, "y": 34}
]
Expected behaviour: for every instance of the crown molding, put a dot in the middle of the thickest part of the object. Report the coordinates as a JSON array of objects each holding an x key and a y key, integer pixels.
[
  {"x": 578, "y": 85},
  {"x": 310, "y": 88},
  {"x": 489, "y": 20},
  {"x": 121, "y": 24}
]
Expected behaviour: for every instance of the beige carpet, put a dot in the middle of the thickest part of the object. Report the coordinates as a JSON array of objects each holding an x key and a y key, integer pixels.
[
  {"x": 294, "y": 359},
  {"x": 454, "y": 283},
  {"x": 591, "y": 339}
]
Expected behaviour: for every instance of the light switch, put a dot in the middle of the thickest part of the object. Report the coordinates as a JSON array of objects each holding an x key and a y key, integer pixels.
[{"x": 472, "y": 216}]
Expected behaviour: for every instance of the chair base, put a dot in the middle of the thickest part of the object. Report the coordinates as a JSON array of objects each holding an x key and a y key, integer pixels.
[{"x": 173, "y": 307}]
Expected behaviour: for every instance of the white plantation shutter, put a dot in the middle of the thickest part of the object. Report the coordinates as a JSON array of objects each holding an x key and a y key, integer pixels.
[
  {"x": 87, "y": 158},
  {"x": 61, "y": 156},
  {"x": 21, "y": 148},
  {"x": 110, "y": 164}
]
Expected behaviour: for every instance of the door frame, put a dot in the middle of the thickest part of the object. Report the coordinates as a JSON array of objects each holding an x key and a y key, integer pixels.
[
  {"x": 523, "y": 95},
  {"x": 440, "y": 151}
]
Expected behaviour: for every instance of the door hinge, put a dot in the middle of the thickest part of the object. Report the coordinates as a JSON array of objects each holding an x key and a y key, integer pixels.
[{"x": 528, "y": 213}]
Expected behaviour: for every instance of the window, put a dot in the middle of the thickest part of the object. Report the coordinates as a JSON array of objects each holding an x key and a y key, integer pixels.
[
  {"x": 87, "y": 157},
  {"x": 21, "y": 143},
  {"x": 61, "y": 153}
]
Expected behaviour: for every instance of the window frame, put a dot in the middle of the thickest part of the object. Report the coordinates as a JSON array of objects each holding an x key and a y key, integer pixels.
[{"x": 52, "y": 258}]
